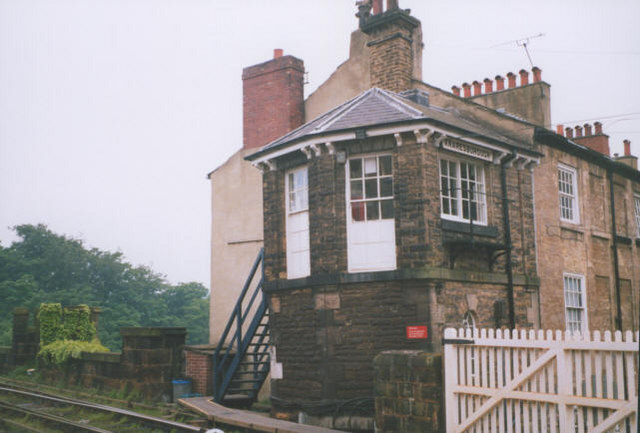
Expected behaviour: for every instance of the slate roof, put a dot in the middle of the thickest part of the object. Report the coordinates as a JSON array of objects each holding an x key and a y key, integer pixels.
[{"x": 379, "y": 107}]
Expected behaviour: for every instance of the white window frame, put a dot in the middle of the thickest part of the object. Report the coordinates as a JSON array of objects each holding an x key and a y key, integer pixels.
[
  {"x": 300, "y": 212},
  {"x": 570, "y": 304},
  {"x": 636, "y": 210},
  {"x": 385, "y": 225},
  {"x": 574, "y": 208},
  {"x": 457, "y": 199}
]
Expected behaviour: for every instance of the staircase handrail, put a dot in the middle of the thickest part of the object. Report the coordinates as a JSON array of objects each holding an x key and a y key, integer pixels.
[{"x": 238, "y": 307}]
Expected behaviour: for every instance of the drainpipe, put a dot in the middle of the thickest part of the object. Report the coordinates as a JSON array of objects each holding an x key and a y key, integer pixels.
[
  {"x": 616, "y": 271},
  {"x": 507, "y": 242}
]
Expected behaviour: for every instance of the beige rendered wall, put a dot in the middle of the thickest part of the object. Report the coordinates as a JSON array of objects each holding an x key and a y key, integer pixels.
[
  {"x": 236, "y": 234},
  {"x": 348, "y": 80}
]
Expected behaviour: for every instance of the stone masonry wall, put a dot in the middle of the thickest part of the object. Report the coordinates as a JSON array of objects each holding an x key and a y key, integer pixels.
[
  {"x": 409, "y": 392},
  {"x": 151, "y": 358},
  {"x": 328, "y": 335},
  {"x": 585, "y": 248},
  {"x": 328, "y": 327}
]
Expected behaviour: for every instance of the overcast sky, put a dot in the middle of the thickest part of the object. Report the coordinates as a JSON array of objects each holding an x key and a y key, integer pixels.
[{"x": 113, "y": 111}]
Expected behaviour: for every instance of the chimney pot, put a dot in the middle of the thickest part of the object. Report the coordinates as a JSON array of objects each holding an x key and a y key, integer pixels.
[
  {"x": 587, "y": 130},
  {"x": 377, "y": 7},
  {"x": 277, "y": 53},
  {"x": 524, "y": 77},
  {"x": 560, "y": 129},
  {"x": 499, "y": 82},
  {"x": 578, "y": 131},
  {"x": 627, "y": 148},
  {"x": 392, "y": 4},
  {"x": 477, "y": 88},
  {"x": 455, "y": 90},
  {"x": 467, "y": 90},
  {"x": 568, "y": 132},
  {"x": 512, "y": 80},
  {"x": 488, "y": 85},
  {"x": 598, "y": 127},
  {"x": 537, "y": 74}
]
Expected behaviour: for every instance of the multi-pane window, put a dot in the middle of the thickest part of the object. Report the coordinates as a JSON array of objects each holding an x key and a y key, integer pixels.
[
  {"x": 567, "y": 189},
  {"x": 371, "y": 188},
  {"x": 462, "y": 191},
  {"x": 636, "y": 208},
  {"x": 298, "y": 191},
  {"x": 298, "y": 252},
  {"x": 574, "y": 301}
]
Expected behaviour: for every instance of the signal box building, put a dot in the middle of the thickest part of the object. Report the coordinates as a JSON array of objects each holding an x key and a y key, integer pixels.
[{"x": 396, "y": 204}]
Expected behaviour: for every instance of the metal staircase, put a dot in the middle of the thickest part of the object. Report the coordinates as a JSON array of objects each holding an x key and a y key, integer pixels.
[{"x": 241, "y": 360}]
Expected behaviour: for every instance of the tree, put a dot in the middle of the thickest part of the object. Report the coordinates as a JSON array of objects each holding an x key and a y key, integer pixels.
[{"x": 44, "y": 267}]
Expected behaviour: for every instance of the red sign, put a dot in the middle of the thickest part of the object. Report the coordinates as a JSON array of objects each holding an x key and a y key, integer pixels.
[{"x": 416, "y": 332}]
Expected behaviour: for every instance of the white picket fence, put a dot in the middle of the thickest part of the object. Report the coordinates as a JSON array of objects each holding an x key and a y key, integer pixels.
[{"x": 536, "y": 381}]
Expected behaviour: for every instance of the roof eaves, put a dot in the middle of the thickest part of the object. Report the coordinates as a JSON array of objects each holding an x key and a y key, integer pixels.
[{"x": 560, "y": 142}]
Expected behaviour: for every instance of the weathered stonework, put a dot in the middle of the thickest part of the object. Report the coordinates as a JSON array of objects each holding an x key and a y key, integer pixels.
[
  {"x": 586, "y": 248},
  {"x": 328, "y": 327}
]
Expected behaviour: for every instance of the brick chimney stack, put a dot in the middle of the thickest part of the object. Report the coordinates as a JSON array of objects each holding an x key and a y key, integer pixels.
[
  {"x": 628, "y": 158},
  {"x": 273, "y": 99},
  {"x": 596, "y": 141}
]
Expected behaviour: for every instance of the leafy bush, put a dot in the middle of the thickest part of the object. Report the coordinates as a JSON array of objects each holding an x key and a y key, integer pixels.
[
  {"x": 60, "y": 351},
  {"x": 76, "y": 324},
  {"x": 50, "y": 318}
]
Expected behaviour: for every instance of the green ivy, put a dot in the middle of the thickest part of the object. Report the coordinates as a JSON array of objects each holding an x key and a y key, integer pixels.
[
  {"x": 76, "y": 323},
  {"x": 50, "y": 319},
  {"x": 60, "y": 351}
]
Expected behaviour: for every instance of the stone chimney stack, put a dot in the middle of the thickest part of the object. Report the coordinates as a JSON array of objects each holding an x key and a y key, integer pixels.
[
  {"x": 530, "y": 100},
  {"x": 273, "y": 99},
  {"x": 394, "y": 43}
]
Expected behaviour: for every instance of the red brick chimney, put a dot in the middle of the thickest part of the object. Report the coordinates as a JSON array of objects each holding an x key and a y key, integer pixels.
[
  {"x": 537, "y": 74},
  {"x": 477, "y": 88},
  {"x": 455, "y": 90},
  {"x": 488, "y": 85},
  {"x": 628, "y": 158},
  {"x": 377, "y": 7},
  {"x": 512, "y": 80},
  {"x": 499, "y": 82},
  {"x": 598, "y": 141},
  {"x": 466, "y": 89},
  {"x": 524, "y": 77},
  {"x": 273, "y": 99}
]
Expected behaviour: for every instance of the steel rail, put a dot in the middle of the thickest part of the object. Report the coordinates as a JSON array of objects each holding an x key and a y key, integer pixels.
[
  {"x": 52, "y": 418},
  {"x": 104, "y": 408}
]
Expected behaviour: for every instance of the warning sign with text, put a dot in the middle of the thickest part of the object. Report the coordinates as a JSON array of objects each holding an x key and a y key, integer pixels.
[{"x": 416, "y": 332}]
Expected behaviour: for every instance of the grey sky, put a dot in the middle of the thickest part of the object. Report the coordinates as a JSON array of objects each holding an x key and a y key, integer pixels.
[{"x": 113, "y": 111}]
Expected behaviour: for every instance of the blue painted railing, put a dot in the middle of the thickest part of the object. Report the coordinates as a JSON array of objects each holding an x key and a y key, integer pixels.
[{"x": 241, "y": 359}]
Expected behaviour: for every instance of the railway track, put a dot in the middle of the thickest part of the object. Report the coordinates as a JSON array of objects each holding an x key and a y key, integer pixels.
[{"x": 26, "y": 410}]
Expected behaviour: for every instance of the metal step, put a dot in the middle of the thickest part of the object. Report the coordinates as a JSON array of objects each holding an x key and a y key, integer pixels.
[
  {"x": 237, "y": 381},
  {"x": 254, "y": 362}
]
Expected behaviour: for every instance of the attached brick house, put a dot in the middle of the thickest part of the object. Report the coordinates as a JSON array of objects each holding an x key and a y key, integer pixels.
[{"x": 396, "y": 203}]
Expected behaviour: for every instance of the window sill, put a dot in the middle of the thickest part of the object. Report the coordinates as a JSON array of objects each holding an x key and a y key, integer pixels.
[
  {"x": 574, "y": 227},
  {"x": 624, "y": 240},
  {"x": 460, "y": 227}
]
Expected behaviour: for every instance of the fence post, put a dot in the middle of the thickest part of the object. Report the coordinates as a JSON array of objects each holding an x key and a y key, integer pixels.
[
  {"x": 450, "y": 381},
  {"x": 563, "y": 362}
]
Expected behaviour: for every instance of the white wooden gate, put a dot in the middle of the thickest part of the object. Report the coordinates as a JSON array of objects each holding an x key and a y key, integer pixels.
[{"x": 536, "y": 381}]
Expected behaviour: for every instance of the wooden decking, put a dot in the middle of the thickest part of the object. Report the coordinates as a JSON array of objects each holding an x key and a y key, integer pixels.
[{"x": 245, "y": 419}]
